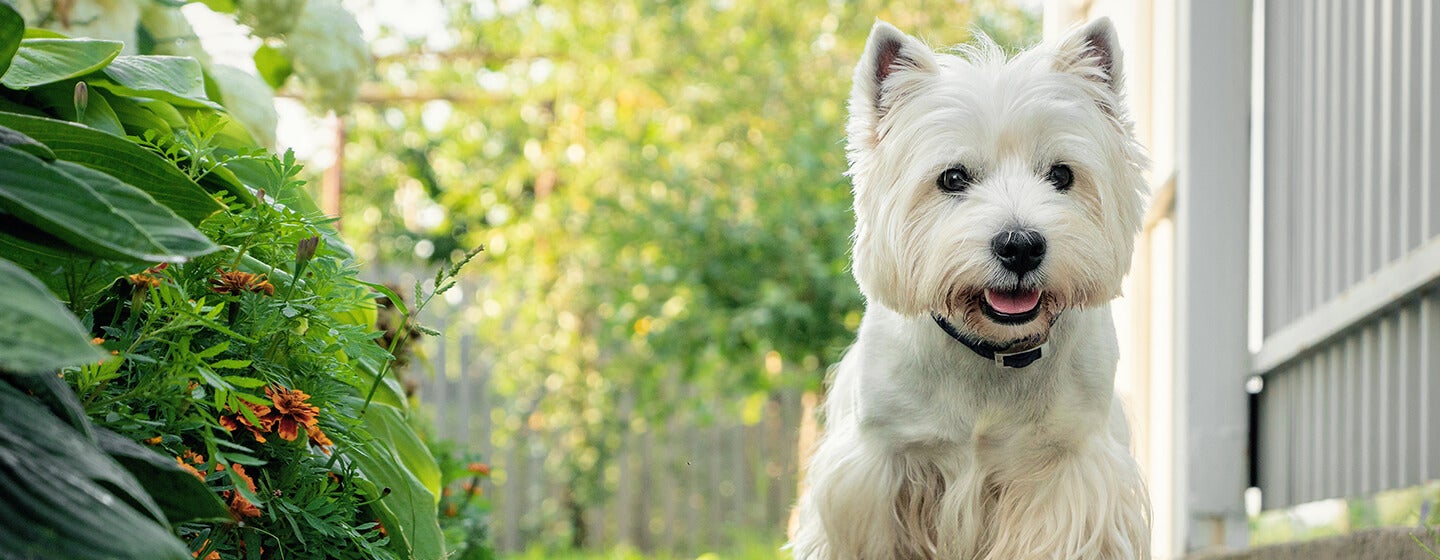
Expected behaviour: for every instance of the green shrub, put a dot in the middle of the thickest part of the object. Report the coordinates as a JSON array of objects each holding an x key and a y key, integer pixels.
[{"x": 188, "y": 361}]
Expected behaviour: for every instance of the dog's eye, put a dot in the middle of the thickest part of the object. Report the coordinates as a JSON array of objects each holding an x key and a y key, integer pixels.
[
  {"x": 1061, "y": 176},
  {"x": 954, "y": 180}
]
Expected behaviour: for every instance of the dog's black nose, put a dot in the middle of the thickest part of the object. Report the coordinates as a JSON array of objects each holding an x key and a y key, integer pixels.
[{"x": 1019, "y": 250}]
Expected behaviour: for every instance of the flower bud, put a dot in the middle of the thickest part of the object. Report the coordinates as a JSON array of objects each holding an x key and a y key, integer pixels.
[{"x": 82, "y": 100}]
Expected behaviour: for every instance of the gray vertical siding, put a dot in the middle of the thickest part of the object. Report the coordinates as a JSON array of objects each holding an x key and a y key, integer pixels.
[
  {"x": 1349, "y": 150},
  {"x": 1358, "y": 415}
]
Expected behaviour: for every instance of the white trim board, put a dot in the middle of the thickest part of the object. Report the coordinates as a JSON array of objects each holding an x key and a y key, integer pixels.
[{"x": 1386, "y": 287}]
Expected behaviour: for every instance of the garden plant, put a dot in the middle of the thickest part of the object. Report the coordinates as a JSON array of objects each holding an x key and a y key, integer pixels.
[{"x": 188, "y": 362}]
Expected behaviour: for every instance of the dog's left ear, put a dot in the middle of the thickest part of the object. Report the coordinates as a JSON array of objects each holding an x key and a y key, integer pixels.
[{"x": 1093, "y": 53}]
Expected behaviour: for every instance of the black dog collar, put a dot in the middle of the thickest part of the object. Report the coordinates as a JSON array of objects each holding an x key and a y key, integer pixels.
[{"x": 990, "y": 351}]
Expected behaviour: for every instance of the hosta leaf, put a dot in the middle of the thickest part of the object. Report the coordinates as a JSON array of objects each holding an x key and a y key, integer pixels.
[
  {"x": 62, "y": 268},
  {"x": 59, "y": 98},
  {"x": 38, "y": 33},
  {"x": 390, "y": 392},
  {"x": 274, "y": 65},
  {"x": 181, "y": 495},
  {"x": 388, "y": 424},
  {"x": 61, "y": 497},
  {"x": 391, "y": 461},
  {"x": 122, "y": 159},
  {"x": 138, "y": 118},
  {"x": 12, "y": 29},
  {"x": 42, "y": 61},
  {"x": 15, "y": 139},
  {"x": 174, "y": 79},
  {"x": 94, "y": 212},
  {"x": 158, "y": 223},
  {"x": 399, "y": 541},
  {"x": 37, "y": 333}
]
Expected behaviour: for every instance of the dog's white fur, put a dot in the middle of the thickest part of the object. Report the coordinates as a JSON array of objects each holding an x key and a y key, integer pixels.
[{"x": 931, "y": 451}]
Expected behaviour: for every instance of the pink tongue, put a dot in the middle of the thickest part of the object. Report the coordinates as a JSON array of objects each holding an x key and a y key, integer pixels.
[{"x": 1012, "y": 303}]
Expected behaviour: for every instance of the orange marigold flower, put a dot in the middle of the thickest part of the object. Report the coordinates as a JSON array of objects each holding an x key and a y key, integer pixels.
[
  {"x": 97, "y": 341},
  {"x": 290, "y": 411},
  {"x": 262, "y": 413},
  {"x": 143, "y": 280},
  {"x": 192, "y": 470},
  {"x": 318, "y": 437},
  {"x": 214, "y": 554},
  {"x": 147, "y": 278},
  {"x": 152, "y": 441},
  {"x": 193, "y": 457},
  {"x": 241, "y": 507},
  {"x": 236, "y": 281},
  {"x": 240, "y": 472},
  {"x": 481, "y": 469}
]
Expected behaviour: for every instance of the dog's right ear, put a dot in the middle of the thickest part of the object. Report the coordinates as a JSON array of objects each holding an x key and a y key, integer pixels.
[{"x": 889, "y": 56}]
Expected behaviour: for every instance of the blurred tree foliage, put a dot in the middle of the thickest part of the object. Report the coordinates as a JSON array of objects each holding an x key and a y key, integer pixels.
[{"x": 660, "y": 187}]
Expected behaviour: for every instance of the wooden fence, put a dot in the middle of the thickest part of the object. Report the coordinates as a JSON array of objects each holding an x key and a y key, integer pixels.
[{"x": 686, "y": 486}]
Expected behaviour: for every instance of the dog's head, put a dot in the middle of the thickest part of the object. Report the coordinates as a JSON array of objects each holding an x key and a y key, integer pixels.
[{"x": 995, "y": 192}]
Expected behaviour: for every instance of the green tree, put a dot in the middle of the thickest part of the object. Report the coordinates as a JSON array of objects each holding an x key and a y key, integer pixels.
[{"x": 660, "y": 187}]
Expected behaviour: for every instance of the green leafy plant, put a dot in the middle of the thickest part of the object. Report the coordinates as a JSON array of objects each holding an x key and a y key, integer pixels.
[
  {"x": 464, "y": 507},
  {"x": 188, "y": 360}
]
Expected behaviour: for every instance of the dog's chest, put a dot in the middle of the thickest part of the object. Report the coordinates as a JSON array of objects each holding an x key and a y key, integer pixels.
[{"x": 980, "y": 416}]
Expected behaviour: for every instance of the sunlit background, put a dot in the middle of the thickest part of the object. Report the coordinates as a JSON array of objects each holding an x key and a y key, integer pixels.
[{"x": 659, "y": 190}]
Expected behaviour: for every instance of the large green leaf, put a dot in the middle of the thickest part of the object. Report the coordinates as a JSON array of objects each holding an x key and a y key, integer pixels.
[
  {"x": 42, "y": 61},
  {"x": 274, "y": 65},
  {"x": 122, "y": 159},
  {"x": 12, "y": 29},
  {"x": 168, "y": 230},
  {"x": 61, "y": 497},
  {"x": 399, "y": 540},
  {"x": 391, "y": 461},
  {"x": 388, "y": 424},
  {"x": 63, "y": 269},
  {"x": 10, "y": 106},
  {"x": 15, "y": 139},
  {"x": 174, "y": 79},
  {"x": 59, "y": 98},
  {"x": 179, "y": 493},
  {"x": 137, "y": 118},
  {"x": 37, "y": 333},
  {"x": 93, "y": 211},
  {"x": 390, "y": 392}
]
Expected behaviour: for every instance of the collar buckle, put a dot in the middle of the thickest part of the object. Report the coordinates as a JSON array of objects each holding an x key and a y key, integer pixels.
[{"x": 1023, "y": 358}]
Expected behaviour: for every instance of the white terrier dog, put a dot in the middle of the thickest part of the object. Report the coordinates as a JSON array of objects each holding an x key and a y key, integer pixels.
[{"x": 996, "y": 204}]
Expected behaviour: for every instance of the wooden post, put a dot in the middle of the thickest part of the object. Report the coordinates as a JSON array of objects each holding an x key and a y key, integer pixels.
[
  {"x": 805, "y": 444},
  {"x": 331, "y": 183}
]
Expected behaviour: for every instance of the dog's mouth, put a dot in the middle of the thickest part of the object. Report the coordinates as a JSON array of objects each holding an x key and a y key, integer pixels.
[{"x": 1011, "y": 307}]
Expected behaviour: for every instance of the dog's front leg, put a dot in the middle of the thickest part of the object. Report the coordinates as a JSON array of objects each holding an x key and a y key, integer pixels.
[
  {"x": 848, "y": 512},
  {"x": 1087, "y": 503},
  {"x": 869, "y": 501}
]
